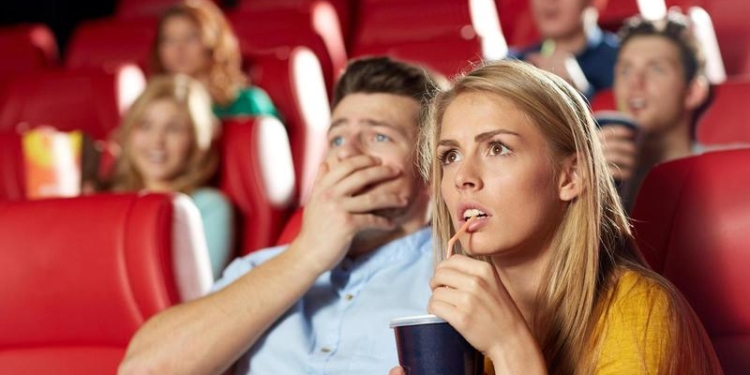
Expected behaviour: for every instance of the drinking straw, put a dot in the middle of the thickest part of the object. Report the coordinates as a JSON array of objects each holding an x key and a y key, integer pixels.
[{"x": 452, "y": 241}]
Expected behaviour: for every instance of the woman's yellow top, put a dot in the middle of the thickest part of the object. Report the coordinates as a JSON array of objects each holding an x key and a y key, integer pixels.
[{"x": 633, "y": 330}]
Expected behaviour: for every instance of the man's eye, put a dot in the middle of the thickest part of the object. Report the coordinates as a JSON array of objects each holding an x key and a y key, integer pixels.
[
  {"x": 337, "y": 141},
  {"x": 381, "y": 138}
]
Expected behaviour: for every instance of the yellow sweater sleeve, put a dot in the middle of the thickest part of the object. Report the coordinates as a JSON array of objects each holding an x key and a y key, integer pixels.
[{"x": 635, "y": 329}]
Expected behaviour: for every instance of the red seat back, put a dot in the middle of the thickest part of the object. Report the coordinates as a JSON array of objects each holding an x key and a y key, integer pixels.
[
  {"x": 88, "y": 99},
  {"x": 92, "y": 43},
  {"x": 257, "y": 175},
  {"x": 692, "y": 223},
  {"x": 727, "y": 120},
  {"x": 12, "y": 174},
  {"x": 292, "y": 228},
  {"x": 27, "y": 48},
  {"x": 293, "y": 80},
  {"x": 137, "y": 9},
  {"x": 81, "y": 275}
]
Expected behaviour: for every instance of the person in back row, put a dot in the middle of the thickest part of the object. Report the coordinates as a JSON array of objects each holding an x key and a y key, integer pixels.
[
  {"x": 572, "y": 45},
  {"x": 167, "y": 143},
  {"x": 322, "y": 304},
  {"x": 194, "y": 38},
  {"x": 660, "y": 83}
]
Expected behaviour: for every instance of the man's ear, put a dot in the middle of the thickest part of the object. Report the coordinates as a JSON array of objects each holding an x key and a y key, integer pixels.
[
  {"x": 697, "y": 93},
  {"x": 570, "y": 184}
]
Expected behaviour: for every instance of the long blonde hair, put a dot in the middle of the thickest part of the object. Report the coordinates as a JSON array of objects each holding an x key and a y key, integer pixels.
[
  {"x": 225, "y": 76},
  {"x": 191, "y": 97},
  {"x": 593, "y": 241}
]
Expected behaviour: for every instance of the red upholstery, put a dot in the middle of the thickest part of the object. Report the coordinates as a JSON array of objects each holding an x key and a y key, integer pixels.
[
  {"x": 110, "y": 42},
  {"x": 732, "y": 30},
  {"x": 257, "y": 175},
  {"x": 26, "y": 48},
  {"x": 79, "y": 277},
  {"x": 604, "y": 101},
  {"x": 300, "y": 96},
  {"x": 517, "y": 22},
  {"x": 342, "y": 8},
  {"x": 12, "y": 175},
  {"x": 727, "y": 121},
  {"x": 86, "y": 99},
  {"x": 284, "y": 25},
  {"x": 259, "y": 36},
  {"x": 292, "y": 228},
  {"x": 449, "y": 54},
  {"x": 616, "y": 11},
  {"x": 692, "y": 222}
]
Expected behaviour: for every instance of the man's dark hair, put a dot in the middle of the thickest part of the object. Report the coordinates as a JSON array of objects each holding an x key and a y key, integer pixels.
[
  {"x": 381, "y": 75},
  {"x": 675, "y": 27}
]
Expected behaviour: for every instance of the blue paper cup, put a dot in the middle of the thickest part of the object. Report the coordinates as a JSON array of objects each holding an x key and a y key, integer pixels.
[{"x": 428, "y": 345}]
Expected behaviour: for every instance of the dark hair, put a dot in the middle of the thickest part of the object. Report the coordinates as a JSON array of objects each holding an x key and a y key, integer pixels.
[
  {"x": 675, "y": 27},
  {"x": 382, "y": 75}
]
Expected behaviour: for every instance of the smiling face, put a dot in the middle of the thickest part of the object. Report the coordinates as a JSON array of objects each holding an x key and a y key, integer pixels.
[
  {"x": 382, "y": 126},
  {"x": 650, "y": 83},
  {"x": 181, "y": 48},
  {"x": 160, "y": 144},
  {"x": 559, "y": 18},
  {"x": 498, "y": 164}
]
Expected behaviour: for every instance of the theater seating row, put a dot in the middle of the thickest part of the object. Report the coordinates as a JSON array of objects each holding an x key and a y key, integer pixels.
[{"x": 77, "y": 294}]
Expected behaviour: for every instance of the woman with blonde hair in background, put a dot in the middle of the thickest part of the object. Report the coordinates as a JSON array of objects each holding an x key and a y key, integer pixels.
[
  {"x": 168, "y": 143},
  {"x": 546, "y": 279},
  {"x": 194, "y": 38}
]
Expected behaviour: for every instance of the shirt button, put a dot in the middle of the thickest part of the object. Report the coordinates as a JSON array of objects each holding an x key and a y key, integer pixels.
[
  {"x": 325, "y": 349},
  {"x": 348, "y": 297}
]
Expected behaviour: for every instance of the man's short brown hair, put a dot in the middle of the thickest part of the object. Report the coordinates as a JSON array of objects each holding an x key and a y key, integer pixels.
[{"x": 381, "y": 75}]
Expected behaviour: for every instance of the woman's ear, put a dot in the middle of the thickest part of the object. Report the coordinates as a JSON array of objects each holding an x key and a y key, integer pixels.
[
  {"x": 570, "y": 183},
  {"x": 697, "y": 93}
]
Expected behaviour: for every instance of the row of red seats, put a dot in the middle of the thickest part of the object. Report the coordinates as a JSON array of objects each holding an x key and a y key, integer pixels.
[
  {"x": 77, "y": 294},
  {"x": 256, "y": 174}
]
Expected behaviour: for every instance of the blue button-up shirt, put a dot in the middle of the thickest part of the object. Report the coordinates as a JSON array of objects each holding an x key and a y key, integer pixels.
[{"x": 341, "y": 326}]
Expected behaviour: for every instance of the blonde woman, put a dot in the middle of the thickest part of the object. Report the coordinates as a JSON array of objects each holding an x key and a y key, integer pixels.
[
  {"x": 546, "y": 279},
  {"x": 168, "y": 143},
  {"x": 195, "y": 38}
]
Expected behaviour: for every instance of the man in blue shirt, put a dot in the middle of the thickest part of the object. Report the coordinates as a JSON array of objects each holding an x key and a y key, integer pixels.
[
  {"x": 572, "y": 46},
  {"x": 363, "y": 255}
]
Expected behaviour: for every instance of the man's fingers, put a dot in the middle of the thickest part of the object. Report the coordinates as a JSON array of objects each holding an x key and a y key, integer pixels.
[
  {"x": 356, "y": 181},
  {"x": 346, "y": 167},
  {"x": 369, "y": 202}
]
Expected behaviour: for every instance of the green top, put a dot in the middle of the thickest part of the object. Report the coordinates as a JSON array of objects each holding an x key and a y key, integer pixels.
[
  {"x": 218, "y": 226},
  {"x": 251, "y": 101}
]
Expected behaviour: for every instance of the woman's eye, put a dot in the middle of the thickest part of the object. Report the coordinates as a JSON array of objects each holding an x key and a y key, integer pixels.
[
  {"x": 337, "y": 141},
  {"x": 497, "y": 148},
  {"x": 449, "y": 157},
  {"x": 381, "y": 138}
]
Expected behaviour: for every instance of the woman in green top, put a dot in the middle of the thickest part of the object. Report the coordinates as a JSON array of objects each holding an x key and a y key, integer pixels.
[{"x": 195, "y": 39}]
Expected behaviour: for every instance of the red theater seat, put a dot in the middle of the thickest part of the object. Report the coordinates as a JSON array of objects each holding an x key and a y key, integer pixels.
[
  {"x": 692, "y": 223},
  {"x": 727, "y": 120},
  {"x": 291, "y": 229},
  {"x": 449, "y": 55},
  {"x": 732, "y": 30},
  {"x": 517, "y": 22},
  {"x": 604, "y": 101},
  {"x": 293, "y": 79},
  {"x": 12, "y": 175},
  {"x": 109, "y": 43},
  {"x": 81, "y": 275},
  {"x": 26, "y": 48},
  {"x": 257, "y": 174},
  {"x": 342, "y": 9},
  {"x": 392, "y": 23},
  {"x": 88, "y": 99}
]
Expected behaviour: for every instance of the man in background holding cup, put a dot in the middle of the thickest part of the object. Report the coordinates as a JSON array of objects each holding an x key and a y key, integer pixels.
[
  {"x": 363, "y": 256},
  {"x": 660, "y": 84}
]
